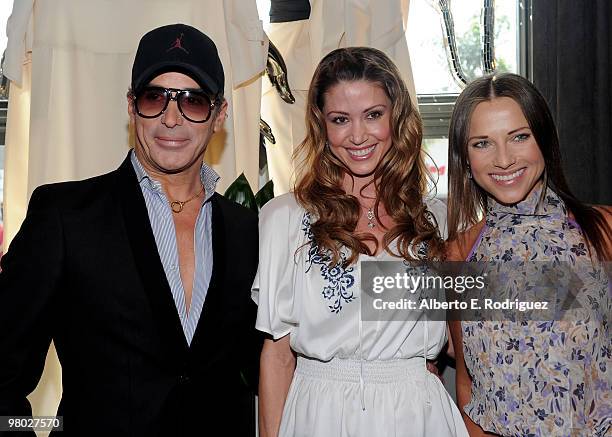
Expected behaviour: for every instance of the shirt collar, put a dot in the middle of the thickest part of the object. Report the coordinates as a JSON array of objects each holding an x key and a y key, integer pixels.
[{"x": 208, "y": 176}]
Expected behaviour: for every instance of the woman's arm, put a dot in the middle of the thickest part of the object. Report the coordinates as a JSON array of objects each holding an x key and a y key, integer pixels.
[
  {"x": 276, "y": 367},
  {"x": 463, "y": 381},
  {"x": 450, "y": 347},
  {"x": 458, "y": 250}
]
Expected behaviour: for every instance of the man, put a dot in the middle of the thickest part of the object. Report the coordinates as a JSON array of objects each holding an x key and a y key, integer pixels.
[{"x": 142, "y": 276}]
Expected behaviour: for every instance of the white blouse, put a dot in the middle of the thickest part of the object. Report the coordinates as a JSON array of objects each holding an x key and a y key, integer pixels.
[{"x": 299, "y": 294}]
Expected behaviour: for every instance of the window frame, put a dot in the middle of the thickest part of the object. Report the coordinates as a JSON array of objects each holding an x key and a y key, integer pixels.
[{"x": 436, "y": 109}]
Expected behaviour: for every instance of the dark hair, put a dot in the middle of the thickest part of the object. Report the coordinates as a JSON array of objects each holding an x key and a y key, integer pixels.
[
  {"x": 400, "y": 180},
  {"x": 466, "y": 200}
]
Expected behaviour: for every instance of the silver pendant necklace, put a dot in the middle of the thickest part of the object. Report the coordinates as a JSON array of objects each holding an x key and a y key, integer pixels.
[{"x": 370, "y": 216}]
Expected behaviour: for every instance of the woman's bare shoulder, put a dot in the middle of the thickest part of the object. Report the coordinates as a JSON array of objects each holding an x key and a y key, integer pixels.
[{"x": 459, "y": 248}]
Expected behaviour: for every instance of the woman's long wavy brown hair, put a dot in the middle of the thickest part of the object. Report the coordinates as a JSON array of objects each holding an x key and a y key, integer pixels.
[
  {"x": 400, "y": 180},
  {"x": 467, "y": 201}
]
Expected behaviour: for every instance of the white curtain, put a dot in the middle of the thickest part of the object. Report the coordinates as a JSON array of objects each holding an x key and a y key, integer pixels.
[
  {"x": 81, "y": 55},
  {"x": 332, "y": 24},
  {"x": 69, "y": 62}
]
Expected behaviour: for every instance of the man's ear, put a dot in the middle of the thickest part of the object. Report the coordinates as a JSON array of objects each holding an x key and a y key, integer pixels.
[
  {"x": 130, "y": 106},
  {"x": 130, "y": 109},
  {"x": 221, "y": 116}
]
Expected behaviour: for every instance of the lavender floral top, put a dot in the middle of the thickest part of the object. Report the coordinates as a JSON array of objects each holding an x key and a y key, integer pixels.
[{"x": 550, "y": 378}]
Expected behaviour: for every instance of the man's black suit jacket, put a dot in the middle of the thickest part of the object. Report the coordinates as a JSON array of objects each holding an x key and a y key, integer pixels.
[{"x": 84, "y": 271}]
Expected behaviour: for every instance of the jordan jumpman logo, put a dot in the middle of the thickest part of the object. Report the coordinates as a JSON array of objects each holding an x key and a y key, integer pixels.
[{"x": 178, "y": 44}]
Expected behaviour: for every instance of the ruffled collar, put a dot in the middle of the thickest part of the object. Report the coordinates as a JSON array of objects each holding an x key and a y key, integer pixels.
[{"x": 550, "y": 206}]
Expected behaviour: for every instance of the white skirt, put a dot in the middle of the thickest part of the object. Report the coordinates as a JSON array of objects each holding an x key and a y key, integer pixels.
[{"x": 352, "y": 398}]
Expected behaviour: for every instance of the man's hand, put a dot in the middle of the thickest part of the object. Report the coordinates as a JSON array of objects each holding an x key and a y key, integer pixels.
[{"x": 432, "y": 366}]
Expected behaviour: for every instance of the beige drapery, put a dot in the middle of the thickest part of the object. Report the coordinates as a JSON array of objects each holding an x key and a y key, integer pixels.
[
  {"x": 332, "y": 24},
  {"x": 81, "y": 54},
  {"x": 69, "y": 62}
]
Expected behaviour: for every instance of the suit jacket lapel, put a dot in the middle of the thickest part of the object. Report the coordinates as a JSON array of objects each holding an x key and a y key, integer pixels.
[
  {"x": 212, "y": 311},
  {"x": 147, "y": 260}
]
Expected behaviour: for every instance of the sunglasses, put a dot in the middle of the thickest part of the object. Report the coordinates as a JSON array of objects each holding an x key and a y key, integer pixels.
[{"x": 196, "y": 106}]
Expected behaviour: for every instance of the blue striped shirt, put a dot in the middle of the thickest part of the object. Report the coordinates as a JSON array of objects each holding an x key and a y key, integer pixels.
[{"x": 162, "y": 223}]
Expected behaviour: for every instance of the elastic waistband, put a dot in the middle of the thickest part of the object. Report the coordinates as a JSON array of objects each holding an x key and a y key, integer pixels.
[{"x": 348, "y": 370}]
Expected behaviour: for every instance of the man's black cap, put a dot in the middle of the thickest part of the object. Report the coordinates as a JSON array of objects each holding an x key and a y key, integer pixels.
[{"x": 178, "y": 48}]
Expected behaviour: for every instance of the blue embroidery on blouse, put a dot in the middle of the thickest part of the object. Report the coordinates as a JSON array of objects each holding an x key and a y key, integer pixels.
[{"x": 339, "y": 280}]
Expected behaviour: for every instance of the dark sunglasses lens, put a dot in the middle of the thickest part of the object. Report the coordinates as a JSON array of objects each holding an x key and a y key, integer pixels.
[
  {"x": 195, "y": 105},
  {"x": 150, "y": 102}
]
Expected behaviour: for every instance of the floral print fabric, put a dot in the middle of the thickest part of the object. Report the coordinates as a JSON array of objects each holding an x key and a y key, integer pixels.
[
  {"x": 549, "y": 378},
  {"x": 339, "y": 279}
]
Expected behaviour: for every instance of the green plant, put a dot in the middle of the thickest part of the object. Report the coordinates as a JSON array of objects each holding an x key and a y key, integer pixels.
[{"x": 240, "y": 192}]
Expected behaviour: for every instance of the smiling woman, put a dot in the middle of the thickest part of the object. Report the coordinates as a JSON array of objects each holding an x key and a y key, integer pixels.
[
  {"x": 505, "y": 159},
  {"x": 362, "y": 158},
  {"x": 519, "y": 376},
  {"x": 358, "y": 122},
  {"x": 519, "y": 134},
  {"x": 360, "y": 197}
]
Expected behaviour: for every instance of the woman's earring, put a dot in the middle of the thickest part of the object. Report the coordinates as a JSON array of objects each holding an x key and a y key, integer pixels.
[{"x": 469, "y": 172}]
